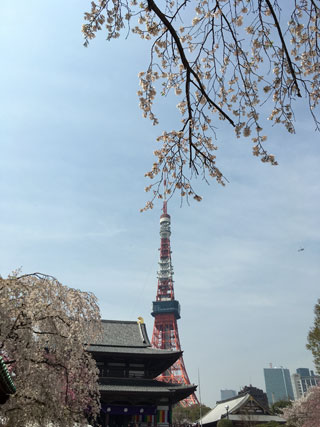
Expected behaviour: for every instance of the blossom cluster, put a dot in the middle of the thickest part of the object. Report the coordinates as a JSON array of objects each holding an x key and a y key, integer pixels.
[
  {"x": 304, "y": 412},
  {"x": 44, "y": 328}
]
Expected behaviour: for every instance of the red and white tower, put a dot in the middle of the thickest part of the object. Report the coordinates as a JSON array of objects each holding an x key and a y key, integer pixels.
[{"x": 166, "y": 311}]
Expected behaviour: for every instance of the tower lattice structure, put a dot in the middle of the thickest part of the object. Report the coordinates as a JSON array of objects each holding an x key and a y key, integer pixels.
[{"x": 166, "y": 311}]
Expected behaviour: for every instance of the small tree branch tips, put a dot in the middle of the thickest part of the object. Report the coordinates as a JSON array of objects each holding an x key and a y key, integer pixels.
[
  {"x": 43, "y": 330},
  {"x": 233, "y": 60}
]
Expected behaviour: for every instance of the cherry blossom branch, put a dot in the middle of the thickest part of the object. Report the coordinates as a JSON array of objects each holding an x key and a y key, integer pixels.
[
  {"x": 185, "y": 62},
  {"x": 284, "y": 45}
]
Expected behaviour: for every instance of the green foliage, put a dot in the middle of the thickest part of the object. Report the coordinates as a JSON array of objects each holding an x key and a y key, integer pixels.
[
  {"x": 277, "y": 407},
  {"x": 314, "y": 338},
  {"x": 189, "y": 414},
  {"x": 225, "y": 423}
]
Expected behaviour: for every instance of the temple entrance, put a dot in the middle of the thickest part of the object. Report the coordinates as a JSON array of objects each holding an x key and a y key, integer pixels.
[
  {"x": 131, "y": 416},
  {"x": 120, "y": 421}
]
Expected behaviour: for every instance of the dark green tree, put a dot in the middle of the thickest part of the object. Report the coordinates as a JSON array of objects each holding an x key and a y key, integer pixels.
[
  {"x": 188, "y": 415},
  {"x": 194, "y": 412},
  {"x": 314, "y": 338},
  {"x": 225, "y": 423},
  {"x": 277, "y": 407}
]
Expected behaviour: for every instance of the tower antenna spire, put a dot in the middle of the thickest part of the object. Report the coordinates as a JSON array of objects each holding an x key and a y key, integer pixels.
[{"x": 165, "y": 176}]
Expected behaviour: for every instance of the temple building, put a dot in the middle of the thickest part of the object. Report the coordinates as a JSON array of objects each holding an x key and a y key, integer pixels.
[
  {"x": 130, "y": 393},
  {"x": 242, "y": 410}
]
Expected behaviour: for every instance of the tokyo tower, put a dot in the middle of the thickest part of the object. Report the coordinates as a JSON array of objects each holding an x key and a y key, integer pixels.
[{"x": 166, "y": 311}]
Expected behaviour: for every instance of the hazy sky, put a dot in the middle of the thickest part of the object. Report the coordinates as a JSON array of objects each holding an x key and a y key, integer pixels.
[{"x": 74, "y": 149}]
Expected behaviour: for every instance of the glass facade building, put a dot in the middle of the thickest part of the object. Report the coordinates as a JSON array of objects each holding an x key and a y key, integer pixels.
[{"x": 278, "y": 384}]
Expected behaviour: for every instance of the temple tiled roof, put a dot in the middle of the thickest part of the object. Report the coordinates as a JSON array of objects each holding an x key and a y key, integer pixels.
[
  {"x": 120, "y": 333},
  {"x": 137, "y": 385},
  {"x": 119, "y": 336},
  {"x": 132, "y": 350}
]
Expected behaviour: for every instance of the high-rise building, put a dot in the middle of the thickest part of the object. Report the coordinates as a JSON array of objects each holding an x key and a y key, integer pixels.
[
  {"x": 278, "y": 384},
  {"x": 227, "y": 394},
  {"x": 302, "y": 380}
]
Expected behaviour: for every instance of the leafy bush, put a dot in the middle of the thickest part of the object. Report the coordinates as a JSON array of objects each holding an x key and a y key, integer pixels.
[{"x": 225, "y": 423}]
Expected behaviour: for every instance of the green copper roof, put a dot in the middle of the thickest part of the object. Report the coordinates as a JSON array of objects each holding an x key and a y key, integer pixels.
[{"x": 5, "y": 378}]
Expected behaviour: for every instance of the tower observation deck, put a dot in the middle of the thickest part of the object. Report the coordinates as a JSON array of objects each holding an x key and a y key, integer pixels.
[{"x": 166, "y": 311}]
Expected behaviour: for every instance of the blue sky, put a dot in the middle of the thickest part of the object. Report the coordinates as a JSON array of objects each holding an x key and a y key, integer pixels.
[{"x": 74, "y": 150}]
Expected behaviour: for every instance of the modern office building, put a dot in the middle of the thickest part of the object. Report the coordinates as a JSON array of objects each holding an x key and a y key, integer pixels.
[
  {"x": 227, "y": 394},
  {"x": 278, "y": 384},
  {"x": 302, "y": 380}
]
